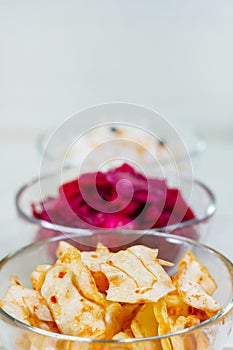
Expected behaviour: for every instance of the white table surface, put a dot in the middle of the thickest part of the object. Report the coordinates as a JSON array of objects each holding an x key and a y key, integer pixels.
[{"x": 60, "y": 56}]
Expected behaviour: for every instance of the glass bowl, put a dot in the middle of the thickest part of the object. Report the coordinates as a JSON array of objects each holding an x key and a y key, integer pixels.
[
  {"x": 216, "y": 330},
  {"x": 118, "y": 129},
  {"x": 193, "y": 141},
  {"x": 198, "y": 196}
]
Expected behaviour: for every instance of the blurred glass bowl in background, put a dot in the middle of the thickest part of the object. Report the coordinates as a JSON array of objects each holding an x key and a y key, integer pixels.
[
  {"x": 16, "y": 335},
  {"x": 120, "y": 132},
  {"x": 193, "y": 141}
]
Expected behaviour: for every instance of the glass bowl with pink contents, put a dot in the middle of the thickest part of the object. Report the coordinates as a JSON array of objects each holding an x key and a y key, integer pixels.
[{"x": 119, "y": 198}]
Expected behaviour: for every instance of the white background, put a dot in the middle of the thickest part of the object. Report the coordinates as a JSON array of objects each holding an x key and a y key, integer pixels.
[{"x": 57, "y": 57}]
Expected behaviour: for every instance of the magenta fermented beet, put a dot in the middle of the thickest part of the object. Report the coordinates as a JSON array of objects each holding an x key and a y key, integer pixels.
[{"x": 119, "y": 198}]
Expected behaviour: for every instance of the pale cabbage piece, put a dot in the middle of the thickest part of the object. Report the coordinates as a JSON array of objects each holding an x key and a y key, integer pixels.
[
  {"x": 122, "y": 288},
  {"x": 13, "y": 304},
  {"x": 73, "y": 314},
  {"x": 183, "y": 322},
  {"x": 37, "y": 306},
  {"x": 175, "y": 306},
  {"x": 197, "y": 340},
  {"x": 113, "y": 319},
  {"x": 194, "y": 295},
  {"x": 129, "y": 312},
  {"x": 38, "y": 276},
  {"x": 62, "y": 248},
  {"x": 119, "y": 285},
  {"x": 145, "y": 254},
  {"x": 83, "y": 279},
  {"x": 130, "y": 264},
  {"x": 161, "y": 316},
  {"x": 165, "y": 262},
  {"x": 148, "y": 257},
  {"x": 123, "y": 268},
  {"x": 185, "y": 341},
  {"x": 40, "y": 315},
  {"x": 28, "y": 306},
  {"x": 197, "y": 272},
  {"x": 145, "y": 325},
  {"x": 94, "y": 259}
]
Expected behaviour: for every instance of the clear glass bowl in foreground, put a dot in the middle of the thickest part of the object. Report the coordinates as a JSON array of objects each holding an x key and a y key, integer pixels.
[
  {"x": 197, "y": 195},
  {"x": 215, "y": 331}
]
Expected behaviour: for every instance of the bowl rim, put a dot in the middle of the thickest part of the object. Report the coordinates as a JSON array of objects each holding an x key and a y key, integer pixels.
[
  {"x": 69, "y": 229},
  {"x": 171, "y": 237}
]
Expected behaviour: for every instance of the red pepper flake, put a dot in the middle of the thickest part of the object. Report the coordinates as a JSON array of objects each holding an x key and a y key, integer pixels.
[
  {"x": 61, "y": 274},
  {"x": 53, "y": 299}
]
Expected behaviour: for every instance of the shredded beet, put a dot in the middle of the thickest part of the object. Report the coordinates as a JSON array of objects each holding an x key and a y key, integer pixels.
[{"x": 119, "y": 198}]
